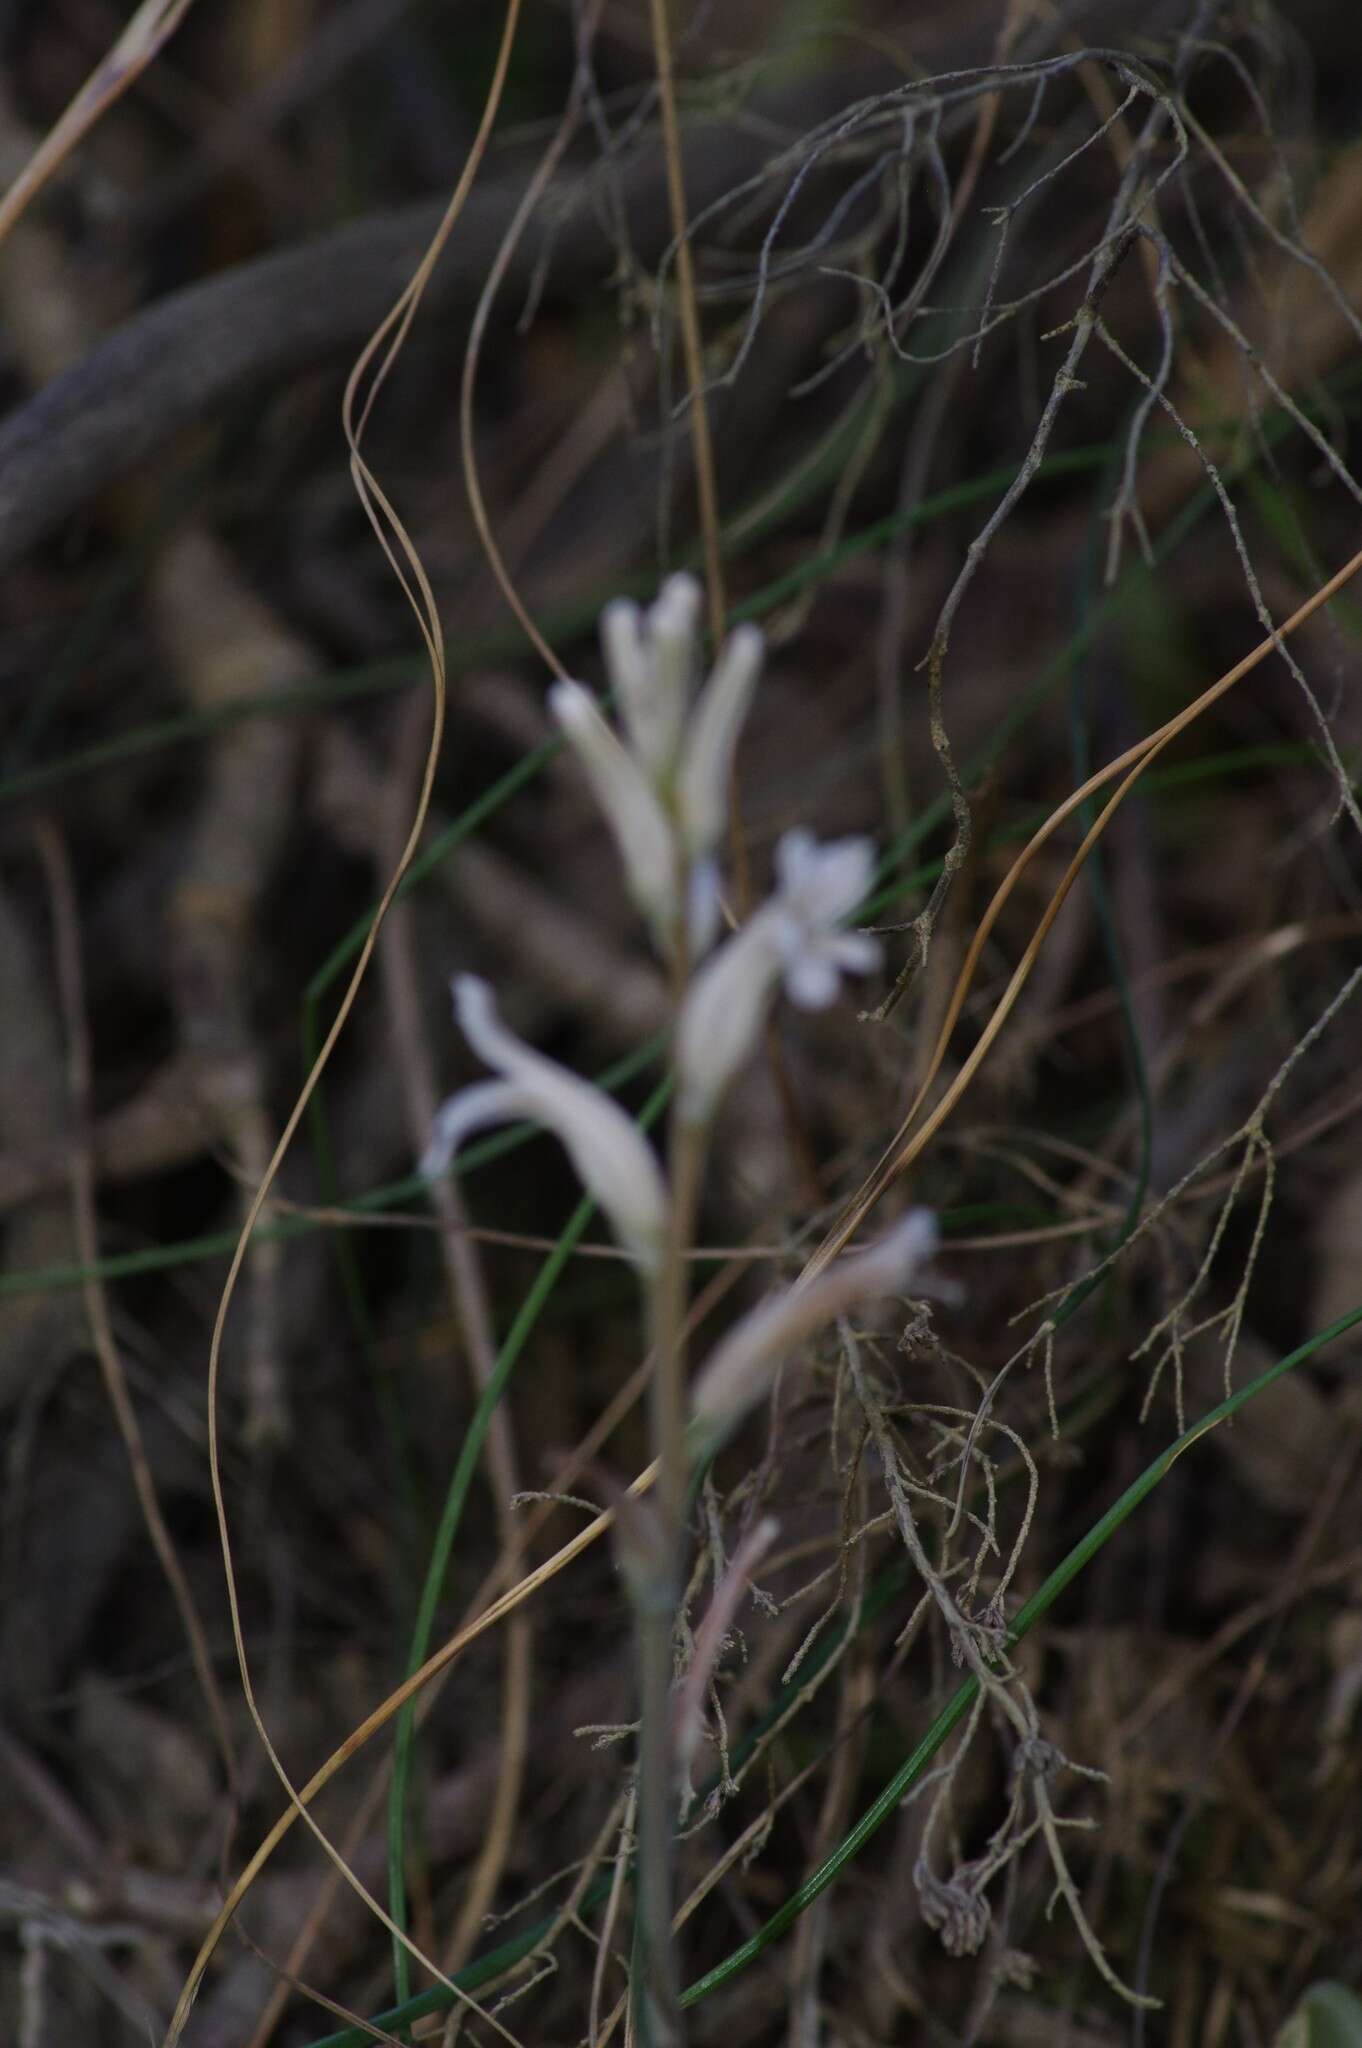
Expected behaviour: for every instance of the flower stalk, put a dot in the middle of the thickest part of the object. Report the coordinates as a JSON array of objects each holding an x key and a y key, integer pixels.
[
  {"x": 658, "y": 1602},
  {"x": 662, "y": 782}
]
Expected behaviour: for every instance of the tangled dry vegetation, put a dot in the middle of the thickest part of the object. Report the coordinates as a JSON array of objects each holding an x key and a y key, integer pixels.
[{"x": 1007, "y": 375}]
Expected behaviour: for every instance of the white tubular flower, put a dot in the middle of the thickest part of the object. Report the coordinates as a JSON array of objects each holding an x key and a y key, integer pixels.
[
  {"x": 722, "y": 1013},
  {"x": 664, "y": 788},
  {"x": 632, "y": 808},
  {"x": 712, "y": 739},
  {"x": 652, "y": 663},
  {"x": 613, "y": 1161},
  {"x": 741, "y": 1371},
  {"x": 793, "y": 938}
]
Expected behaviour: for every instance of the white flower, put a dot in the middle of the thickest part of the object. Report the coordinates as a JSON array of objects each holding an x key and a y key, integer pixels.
[
  {"x": 664, "y": 794},
  {"x": 632, "y": 808},
  {"x": 651, "y": 664},
  {"x": 793, "y": 938},
  {"x": 739, "y": 1373},
  {"x": 722, "y": 1013},
  {"x": 613, "y": 1160},
  {"x": 819, "y": 887}
]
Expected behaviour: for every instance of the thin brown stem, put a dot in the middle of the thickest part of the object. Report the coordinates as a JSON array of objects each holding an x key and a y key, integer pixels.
[{"x": 692, "y": 346}]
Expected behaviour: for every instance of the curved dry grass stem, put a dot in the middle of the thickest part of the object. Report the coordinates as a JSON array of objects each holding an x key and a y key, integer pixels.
[
  {"x": 303, "y": 1797},
  {"x": 501, "y": 262},
  {"x": 151, "y": 27},
  {"x": 480, "y": 1621},
  {"x": 481, "y": 1887},
  {"x": 702, "y": 444},
  {"x": 706, "y": 489},
  {"x": 907, "y": 1142},
  {"x": 400, "y": 963},
  {"x": 383, "y": 347}
]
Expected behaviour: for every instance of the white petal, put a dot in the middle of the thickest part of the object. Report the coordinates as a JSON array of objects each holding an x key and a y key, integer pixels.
[
  {"x": 674, "y": 638},
  {"x": 651, "y": 664},
  {"x": 613, "y": 1160},
  {"x": 856, "y": 952},
  {"x": 713, "y": 738},
  {"x": 722, "y": 1013},
  {"x": 823, "y": 884},
  {"x": 472, "y": 1109},
  {"x": 615, "y": 1164},
  {"x": 631, "y": 678},
  {"x": 796, "y": 859},
  {"x": 740, "y": 1372},
  {"x": 704, "y": 910},
  {"x": 629, "y": 802},
  {"x": 811, "y": 980},
  {"x": 475, "y": 1007}
]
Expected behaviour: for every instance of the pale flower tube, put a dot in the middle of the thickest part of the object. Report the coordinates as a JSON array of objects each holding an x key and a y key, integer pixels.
[
  {"x": 722, "y": 1014},
  {"x": 612, "y": 1158},
  {"x": 743, "y": 1368}
]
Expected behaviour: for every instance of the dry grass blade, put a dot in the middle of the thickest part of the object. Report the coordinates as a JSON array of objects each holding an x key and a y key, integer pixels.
[
  {"x": 145, "y": 35},
  {"x": 706, "y": 488},
  {"x": 908, "y": 1142},
  {"x": 302, "y": 1797},
  {"x": 480, "y": 1618},
  {"x": 395, "y": 541},
  {"x": 496, "y": 274}
]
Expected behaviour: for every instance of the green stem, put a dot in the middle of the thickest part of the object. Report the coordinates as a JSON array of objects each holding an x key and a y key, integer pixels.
[{"x": 657, "y": 1598}]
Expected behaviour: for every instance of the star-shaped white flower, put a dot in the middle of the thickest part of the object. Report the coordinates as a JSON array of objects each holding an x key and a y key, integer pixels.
[{"x": 795, "y": 938}]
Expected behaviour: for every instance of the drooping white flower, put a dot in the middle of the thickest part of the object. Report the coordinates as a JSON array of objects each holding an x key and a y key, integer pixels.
[
  {"x": 739, "y": 1373},
  {"x": 613, "y": 1160},
  {"x": 796, "y": 938},
  {"x": 629, "y": 802}
]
